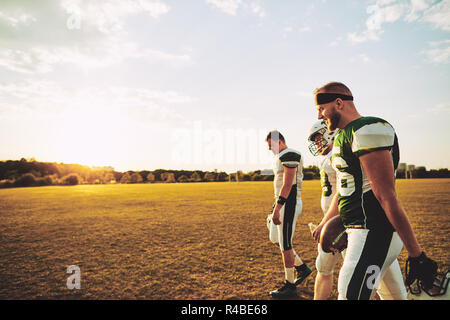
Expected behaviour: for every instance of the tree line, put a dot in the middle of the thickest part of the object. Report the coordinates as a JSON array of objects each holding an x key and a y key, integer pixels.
[
  {"x": 422, "y": 172},
  {"x": 29, "y": 172}
]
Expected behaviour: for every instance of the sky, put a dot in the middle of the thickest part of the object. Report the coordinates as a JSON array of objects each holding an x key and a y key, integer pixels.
[{"x": 148, "y": 84}]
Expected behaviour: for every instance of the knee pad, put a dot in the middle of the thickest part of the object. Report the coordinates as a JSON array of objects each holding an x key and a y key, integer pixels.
[{"x": 325, "y": 262}]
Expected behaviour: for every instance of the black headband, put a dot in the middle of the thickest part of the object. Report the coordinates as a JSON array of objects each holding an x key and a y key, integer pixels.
[{"x": 322, "y": 98}]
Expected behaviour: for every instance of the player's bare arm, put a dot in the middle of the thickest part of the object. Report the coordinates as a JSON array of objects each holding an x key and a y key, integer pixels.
[
  {"x": 332, "y": 212},
  {"x": 379, "y": 169},
  {"x": 288, "y": 181}
]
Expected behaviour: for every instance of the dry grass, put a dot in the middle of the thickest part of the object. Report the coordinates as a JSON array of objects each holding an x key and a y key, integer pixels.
[{"x": 172, "y": 241}]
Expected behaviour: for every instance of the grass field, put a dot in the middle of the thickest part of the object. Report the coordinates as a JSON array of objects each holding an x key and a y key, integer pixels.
[{"x": 173, "y": 241}]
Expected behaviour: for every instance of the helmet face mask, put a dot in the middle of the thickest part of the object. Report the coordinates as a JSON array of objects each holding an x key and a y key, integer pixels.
[
  {"x": 320, "y": 138},
  {"x": 439, "y": 290}
]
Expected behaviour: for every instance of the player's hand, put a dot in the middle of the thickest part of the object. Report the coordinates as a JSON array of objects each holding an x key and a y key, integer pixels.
[
  {"x": 316, "y": 233},
  {"x": 421, "y": 268},
  {"x": 276, "y": 217}
]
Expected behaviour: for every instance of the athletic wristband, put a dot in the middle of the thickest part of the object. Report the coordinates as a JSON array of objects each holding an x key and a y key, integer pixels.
[
  {"x": 281, "y": 200},
  {"x": 420, "y": 258}
]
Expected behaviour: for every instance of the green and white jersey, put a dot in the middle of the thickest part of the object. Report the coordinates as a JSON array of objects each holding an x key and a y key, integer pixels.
[
  {"x": 358, "y": 206},
  {"x": 327, "y": 181},
  {"x": 291, "y": 159}
]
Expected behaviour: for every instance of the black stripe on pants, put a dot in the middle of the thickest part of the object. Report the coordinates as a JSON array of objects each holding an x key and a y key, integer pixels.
[
  {"x": 374, "y": 253},
  {"x": 288, "y": 219}
]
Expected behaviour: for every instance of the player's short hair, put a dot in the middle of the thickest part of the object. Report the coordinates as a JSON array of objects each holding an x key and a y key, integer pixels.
[
  {"x": 334, "y": 87},
  {"x": 275, "y": 135}
]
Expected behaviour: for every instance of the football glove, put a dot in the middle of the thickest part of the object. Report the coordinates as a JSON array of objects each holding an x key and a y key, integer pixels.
[{"x": 421, "y": 268}]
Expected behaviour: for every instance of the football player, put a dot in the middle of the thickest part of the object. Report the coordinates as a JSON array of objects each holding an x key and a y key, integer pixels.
[
  {"x": 365, "y": 156},
  {"x": 288, "y": 177},
  {"x": 320, "y": 144}
]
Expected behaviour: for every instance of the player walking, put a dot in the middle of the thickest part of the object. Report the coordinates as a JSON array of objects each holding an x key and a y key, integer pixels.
[
  {"x": 320, "y": 144},
  {"x": 288, "y": 177},
  {"x": 365, "y": 156}
]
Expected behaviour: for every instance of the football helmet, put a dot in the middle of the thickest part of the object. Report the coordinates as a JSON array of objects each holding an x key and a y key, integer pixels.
[
  {"x": 273, "y": 230},
  {"x": 439, "y": 290},
  {"x": 320, "y": 138}
]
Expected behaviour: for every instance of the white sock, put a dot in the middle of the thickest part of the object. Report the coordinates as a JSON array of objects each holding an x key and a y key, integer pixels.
[
  {"x": 297, "y": 261},
  {"x": 290, "y": 274}
]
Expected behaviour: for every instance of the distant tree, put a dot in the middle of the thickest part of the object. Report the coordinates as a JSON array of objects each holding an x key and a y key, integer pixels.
[
  {"x": 312, "y": 172},
  {"x": 195, "y": 177},
  {"x": 168, "y": 177},
  {"x": 256, "y": 175},
  {"x": 6, "y": 184},
  {"x": 183, "y": 178},
  {"x": 399, "y": 174},
  {"x": 210, "y": 176},
  {"x": 109, "y": 178},
  {"x": 44, "y": 181},
  {"x": 35, "y": 173},
  {"x": 171, "y": 178},
  {"x": 144, "y": 175},
  {"x": 151, "y": 177},
  {"x": 136, "y": 178},
  {"x": 420, "y": 172},
  {"x": 126, "y": 178},
  {"x": 117, "y": 175},
  {"x": 440, "y": 173},
  {"x": 71, "y": 179},
  {"x": 222, "y": 176},
  {"x": 26, "y": 180},
  {"x": 308, "y": 175}
]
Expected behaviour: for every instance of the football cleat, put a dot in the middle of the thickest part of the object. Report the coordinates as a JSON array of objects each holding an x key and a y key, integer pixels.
[
  {"x": 303, "y": 272},
  {"x": 288, "y": 290}
]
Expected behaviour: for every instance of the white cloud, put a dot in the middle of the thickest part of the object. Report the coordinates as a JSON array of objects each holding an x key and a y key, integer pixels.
[
  {"x": 257, "y": 9},
  {"x": 367, "y": 35},
  {"x": 305, "y": 94},
  {"x": 15, "y": 20},
  {"x": 96, "y": 41},
  {"x": 439, "y": 15},
  {"x": 305, "y": 29},
  {"x": 43, "y": 59},
  {"x": 441, "y": 108},
  {"x": 362, "y": 57},
  {"x": 109, "y": 15},
  {"x": 49, "y": 99},
  {"x": 417, "y": 6},
  {"x": 365, "y": 58},
  {"x": 390, "y": 11},
  {"x": 231, "y": 6},
  {"x": 384, "y": 2},
  {"x": 335, "y": 43},
  {"x": 438, "y": 43},
  {"x": 438, "y": 52},
  {"x": 378, "y": 16},
  {"x": 227, "y": 6}
]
